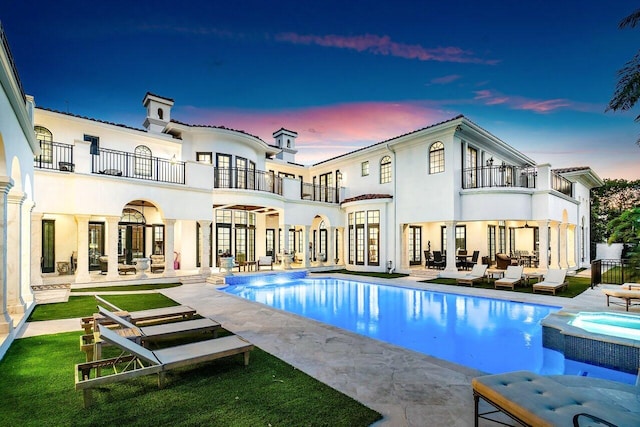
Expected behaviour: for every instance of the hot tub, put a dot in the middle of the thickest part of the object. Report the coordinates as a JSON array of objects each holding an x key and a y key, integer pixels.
[{"x": 613, "y": 324}]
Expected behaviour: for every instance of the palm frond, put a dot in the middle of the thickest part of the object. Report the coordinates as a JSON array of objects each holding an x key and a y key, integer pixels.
[
  {"x": 631, "y": 20},
  {"x": 627, "y": 90}
]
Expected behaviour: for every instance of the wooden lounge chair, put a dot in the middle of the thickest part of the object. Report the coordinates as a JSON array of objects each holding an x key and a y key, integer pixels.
[
  {"x": 553, "y": 281},
  {"x": 556, "y": 400},
  {"x": 143, "y": 316},
  {"x": 627, "y": 292},
  {"x": 511, "y": 277},
  {"x": 475, "y": 275},
  {"x": 141, "y": 361}
]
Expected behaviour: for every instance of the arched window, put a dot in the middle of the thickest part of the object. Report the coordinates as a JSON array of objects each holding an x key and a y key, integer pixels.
[
  {"x": 385, "y": 170},
  {"x": 45, "y": 137},
  {"x": 160, "y": 113},
  {"x": 288, "y": 143},
  {"x": 132, "y": 216},
  {"x": 436, "y": 157},
  {"x": 142, "y": 163}
]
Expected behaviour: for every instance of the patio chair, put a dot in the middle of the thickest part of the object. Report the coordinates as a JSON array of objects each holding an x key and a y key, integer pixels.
[
  {"x": 504, "y": 260},
  {"x": 427, "y": 259},
  {"x": 511, "y": 277},
  {"x": 141, "y": 361},
  {"x": 474, "y": 260},
  {"x": 438, "y": 261},
  {"x": 143, "y": 316},
  {"x": 553, "y": 281},
  {"x": 556, "y": 400},
  {"x": 157, "y": 263},
  {"x": 475, "y": 275},
  {"x": 627, "y": 292},
  {"x": 264, "y": 261}
]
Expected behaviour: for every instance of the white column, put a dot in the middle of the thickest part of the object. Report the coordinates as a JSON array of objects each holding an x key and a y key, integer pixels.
[
  {"x": 331, "y": 244},
  {"x": 404, "y": 245},
  {"x": 25, "y": 257},
  {"x": 112, "y": 247},
  {"x": 169, "y": 247},
  {"x": 572, "y": 245},
  {"x": 285, "y": 238},
  {"x": 6, "y": 323},
  {"x": 554, "y": 245},
  {"x": 451, "y": 246},
  {"x": 82, "y": 275},
  {"x": 341, "y": 254},
  {"x": 205, "y": 235},
  {"x": 562, "y": 234},
  {"x": 36, "y": 248},
  {"x": 306, "y": 241},
  {"x": 15, "y": 305},
  {"x": 543, "y": 245}
]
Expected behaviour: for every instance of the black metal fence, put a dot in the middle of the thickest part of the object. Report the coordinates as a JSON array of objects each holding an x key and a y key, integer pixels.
[
  {"x": 611, "y": 271},
  {"x": 54, "y": 156},
  {"x": 130, "y": 165},
  {"x": 319, "y": 193},
  {"x": 247, "y": 179},
  {"x": 561, "y": 184},
  {"x": 499, "y": 176}
]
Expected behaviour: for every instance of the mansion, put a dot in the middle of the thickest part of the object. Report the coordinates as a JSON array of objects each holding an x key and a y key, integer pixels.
[{"x": 83, "y": 197}]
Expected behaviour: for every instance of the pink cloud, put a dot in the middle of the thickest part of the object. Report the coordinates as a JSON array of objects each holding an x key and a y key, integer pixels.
[
  {"x": 383, "y": 45},
  {"x": 544, "y": 106},
  {"x": 446, "y": 79},
  {"x": 325, "y": 131},
  {"x": 489, "y": 97}
]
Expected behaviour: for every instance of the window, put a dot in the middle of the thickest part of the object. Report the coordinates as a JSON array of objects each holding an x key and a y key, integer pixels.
[
  {"x": 94, "y": 148},
  {"x": 385, "y": 170},
  {"x": 45, "y": 137},
  {"x": 142, "y": 163},
  {"x": 360, "y": 238},
  {"x": 223, "y": 175},
  {"x": 373, "y": 230},
  {"x": 158, "y": 239},
  {"x": 436, "y": 158},
  {"x": 160, "y": 113},
  {"x": 491, "y": 242},
  {"x": 48, "y": 246},
  {"x": 364, "y": 167},
  {"x": 461, "y": 237},
  {"x": 204, "y": 157},
  {"x": 241, "y": 172},
  {"x": 351, "y": 239},
  {"x": 472, "y": 163}
]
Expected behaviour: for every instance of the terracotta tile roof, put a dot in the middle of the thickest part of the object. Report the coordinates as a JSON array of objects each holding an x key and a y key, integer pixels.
[
  {"x": 92, "y": 119},
  {"x": 158, "y": 96},
  {"x": 367, "y": 197},
  {"x": 459, "y": 116},
  {"x": 218, "y": 127}
]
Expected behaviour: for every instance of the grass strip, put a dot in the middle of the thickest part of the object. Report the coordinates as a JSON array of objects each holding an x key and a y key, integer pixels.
[
  {"x": 575, "y": 286},
  {"x": 128, "y": 288},
  {"x": 80, "y": 306},
  {"x": 38, "y": 389}
]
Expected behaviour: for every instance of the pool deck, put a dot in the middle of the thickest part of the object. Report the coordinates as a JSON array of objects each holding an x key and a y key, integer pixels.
[{"x": 406, "y": 387}]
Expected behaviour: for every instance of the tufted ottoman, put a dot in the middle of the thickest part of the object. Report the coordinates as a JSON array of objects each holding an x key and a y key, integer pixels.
[{"x": 536, "y": 400}]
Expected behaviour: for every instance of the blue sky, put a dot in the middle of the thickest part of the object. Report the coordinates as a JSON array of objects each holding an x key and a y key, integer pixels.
[{"x": 344, "y": 74}]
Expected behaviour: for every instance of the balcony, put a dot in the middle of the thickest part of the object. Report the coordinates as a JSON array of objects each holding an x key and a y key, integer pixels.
[
  {"x": 499, "y": 176},
  {"x": 319, "y": 193},
  {"x": 129, "y": 165},
  {"x": 55, "y": 156},
  {"x": 561, "y": 184},
  {"x": 247, "y": 179}
]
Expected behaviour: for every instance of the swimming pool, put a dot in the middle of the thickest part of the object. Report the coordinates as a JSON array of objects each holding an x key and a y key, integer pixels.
[
  {"x": 487, "y": 334},
  {"x": 491, "y": 335}
]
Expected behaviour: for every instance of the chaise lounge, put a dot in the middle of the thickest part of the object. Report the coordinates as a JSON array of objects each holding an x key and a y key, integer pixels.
[
  {"x": 553, "y": 281},
  {"x": 476, "y": 274},
  {"x": 556, "y": 400},
  {"x": 511, "y": 278},
  {"x": 627, "y": 292},
  {"x": 143, "y": 316},
  {"x": 141, "y": 361}
]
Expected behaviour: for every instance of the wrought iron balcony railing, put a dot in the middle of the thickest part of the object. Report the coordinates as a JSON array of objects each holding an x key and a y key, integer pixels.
[
  {"x": 54, "y": 156},
  {"x": 130, "y": 165},
  {"x": 247, "y": 179},
  {"x": 561, "y": 184},
  {"x": 319, "y": 193},
  {"x": 499, "y": 176}
]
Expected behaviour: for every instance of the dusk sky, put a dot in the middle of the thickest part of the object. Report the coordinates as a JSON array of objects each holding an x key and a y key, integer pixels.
[{"x": 344, "y": 74}]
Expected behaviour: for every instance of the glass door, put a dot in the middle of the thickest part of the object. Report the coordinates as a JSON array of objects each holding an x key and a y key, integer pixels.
[
  {"x": 415, "y": 245},
  {"x": 96, "y": 244}
]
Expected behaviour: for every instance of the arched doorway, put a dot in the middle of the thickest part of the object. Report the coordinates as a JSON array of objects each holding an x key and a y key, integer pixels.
[{"x": 131, "y": 236}]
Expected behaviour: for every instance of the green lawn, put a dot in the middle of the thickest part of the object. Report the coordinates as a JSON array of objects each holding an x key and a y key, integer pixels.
[
  {"x": 38, "y": 389},
  {"x": 127, "y": 288},
  {"x": 576, "y": 286},
  {"x": 81, "y": 306}
]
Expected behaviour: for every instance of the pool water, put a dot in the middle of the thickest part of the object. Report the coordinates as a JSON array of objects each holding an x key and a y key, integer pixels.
[
  {"x": 491, "y": 335},
  {"x": 613, "y": 324}
]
